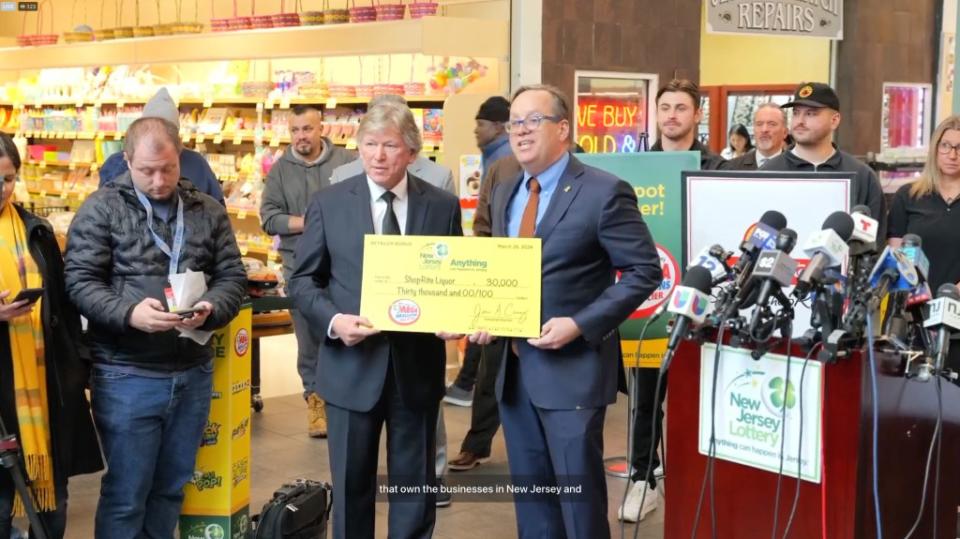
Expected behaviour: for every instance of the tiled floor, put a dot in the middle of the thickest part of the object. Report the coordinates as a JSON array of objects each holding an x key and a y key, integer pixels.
[{"x": 282, "y": 451}]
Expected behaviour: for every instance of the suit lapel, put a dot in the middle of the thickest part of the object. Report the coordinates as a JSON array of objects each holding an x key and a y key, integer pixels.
[
  {"x": 566, "y": 190},
  {"x": 506, "y": 190},
  {"x": 417, "y": 204},
  {"x": 361, "y": 194}
]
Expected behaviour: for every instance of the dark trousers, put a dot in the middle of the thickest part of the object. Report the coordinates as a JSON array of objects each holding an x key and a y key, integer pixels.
[
  {"x": 469, "y": 371},
  {"x": 648, "y": 405},
  {"x": 484, "y": 415},
  {"x": 554, "y": 448},
  {"x": 55, "y": 522},
  {"x": 354, "y": 443}
]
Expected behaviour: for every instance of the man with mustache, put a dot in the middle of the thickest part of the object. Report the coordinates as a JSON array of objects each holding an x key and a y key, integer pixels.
[
  {"x": 770, "y": 134},
  {"x": 305, "y": 168}
]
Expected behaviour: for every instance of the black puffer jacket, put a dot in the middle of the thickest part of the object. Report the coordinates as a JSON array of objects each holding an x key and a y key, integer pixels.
[{"x": 112, "y": 263}]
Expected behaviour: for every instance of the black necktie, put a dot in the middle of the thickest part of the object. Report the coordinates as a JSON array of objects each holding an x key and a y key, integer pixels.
[{"x": 389, "y": 226}]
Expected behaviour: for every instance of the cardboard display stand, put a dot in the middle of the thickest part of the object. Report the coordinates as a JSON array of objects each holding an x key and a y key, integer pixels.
[{"x": 217, "y": 503}]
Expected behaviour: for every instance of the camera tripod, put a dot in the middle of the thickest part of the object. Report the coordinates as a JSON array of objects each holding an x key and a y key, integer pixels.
[{"x": 10, "y": 459}]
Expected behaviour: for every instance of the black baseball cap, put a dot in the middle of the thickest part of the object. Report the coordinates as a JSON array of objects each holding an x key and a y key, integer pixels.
[
  {"x": 495, "y": 109},
  {"x": 814, "y": 94}
]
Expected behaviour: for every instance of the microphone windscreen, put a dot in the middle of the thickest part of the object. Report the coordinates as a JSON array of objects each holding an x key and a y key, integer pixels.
[
  {"x": 948, "y": 290},
  {"x": 698, "y": 277},
  {"x": 841, "y": 223},
  {"x": 786, "y": 240},
  {"x": 774, "y": 219},
  {"x": 860, "y": 208}
]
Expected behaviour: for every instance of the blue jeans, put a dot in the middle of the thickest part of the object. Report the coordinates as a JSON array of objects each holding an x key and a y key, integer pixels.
[{"x": 150, "y": 429}]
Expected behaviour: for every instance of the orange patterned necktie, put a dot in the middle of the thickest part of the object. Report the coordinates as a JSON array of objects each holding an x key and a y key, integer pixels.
[{"x": 528, "y": 223}]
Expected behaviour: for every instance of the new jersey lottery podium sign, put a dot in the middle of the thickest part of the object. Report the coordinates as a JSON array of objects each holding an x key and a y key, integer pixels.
[{"x": 217, "y": 503}]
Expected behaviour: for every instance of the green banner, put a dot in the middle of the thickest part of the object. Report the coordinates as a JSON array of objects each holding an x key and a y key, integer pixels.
[{"x": 655, "y": 176}]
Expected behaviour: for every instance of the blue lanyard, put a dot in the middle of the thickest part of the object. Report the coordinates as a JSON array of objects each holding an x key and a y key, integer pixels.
[{"x": 174, "y": 253}]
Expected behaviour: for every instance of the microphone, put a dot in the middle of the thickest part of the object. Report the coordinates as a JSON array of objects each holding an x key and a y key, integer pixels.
[
  {"x": 774, "y": 267},
  {"x": 893, "y": 271},
  {"x": 689, "y": 302},
  {"x": 714, "y": 260},
  {"x": 911, "y": 248},
  {"x": 759, "y": 236},
  {"x": 864, "y": 238},
  {"x": 945, "y": 318},
  {"x": 826, "y": 249}
]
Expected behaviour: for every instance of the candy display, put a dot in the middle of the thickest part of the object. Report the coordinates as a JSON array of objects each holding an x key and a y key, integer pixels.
[{"x": 452, "y": 79}]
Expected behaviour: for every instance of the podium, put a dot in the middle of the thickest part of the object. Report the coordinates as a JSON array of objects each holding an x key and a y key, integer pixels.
[{"x": 841, "y": 505}]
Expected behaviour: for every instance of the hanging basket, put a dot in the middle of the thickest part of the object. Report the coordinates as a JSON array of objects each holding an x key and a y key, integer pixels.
[
  {"x": 334, "y": 16},
  {"x": 311, "y": 18},
  {"x": 423, "y": 9},
  {"x": 362, "y": 13},
  {"x": 77, "y": 36},
  {"x": 390, "y": 12},
  {"x": 38, "y": 39}
]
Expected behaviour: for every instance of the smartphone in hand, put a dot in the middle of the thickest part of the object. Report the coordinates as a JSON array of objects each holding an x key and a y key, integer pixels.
[{"x": 29, "y": 294}]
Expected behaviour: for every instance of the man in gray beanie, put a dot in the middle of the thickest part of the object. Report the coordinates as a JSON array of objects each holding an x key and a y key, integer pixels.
[{"x": 193, "y": 166}]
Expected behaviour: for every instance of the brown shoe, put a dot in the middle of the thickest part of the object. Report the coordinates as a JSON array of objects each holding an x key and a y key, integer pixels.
[
  {"x": 316, "y": 417},
  {"x": 466, "y": 461}
]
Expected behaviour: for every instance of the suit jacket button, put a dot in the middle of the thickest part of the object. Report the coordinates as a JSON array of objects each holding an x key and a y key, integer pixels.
[
  {"x": 579, "y": 407},
  {"x": 54, "y": 321}
]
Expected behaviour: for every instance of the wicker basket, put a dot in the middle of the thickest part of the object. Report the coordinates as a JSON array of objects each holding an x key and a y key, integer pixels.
[
  {"x": 77, "y": 37},
  {"x": 390, "y": 12},
  {"x": 283, "y": 20},
  {"x": 336, "y": 16},
  {"x": 311, "y": 18},
  {"x": 423, "y": 9},
  {"x": 362, "y": 13},
  {"x": 261, "y": 21},
  {"x": 240, "y": 23},
  {"x": 219, "y": 25},
  {"x": 123, "y": 32},
  {"x": 142, "y": 31},
  {"x": 25, "y": 40}
]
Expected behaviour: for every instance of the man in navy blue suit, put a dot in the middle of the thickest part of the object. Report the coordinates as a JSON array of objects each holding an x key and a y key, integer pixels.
[{"x": 554, "y": 389}]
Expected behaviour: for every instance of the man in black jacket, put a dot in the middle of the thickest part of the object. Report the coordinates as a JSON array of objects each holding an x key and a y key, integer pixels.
[
  {"x": 151, "y": 388},
  {"x": 678, "y": 115},
  {"x": 816, "y": 115}
]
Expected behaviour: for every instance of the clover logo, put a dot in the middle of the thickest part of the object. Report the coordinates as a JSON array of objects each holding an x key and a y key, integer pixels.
[{"x": 782, "y": 392}]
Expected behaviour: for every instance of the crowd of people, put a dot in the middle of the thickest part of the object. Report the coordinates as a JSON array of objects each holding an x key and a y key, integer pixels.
[{"x": 150, "y": 388}]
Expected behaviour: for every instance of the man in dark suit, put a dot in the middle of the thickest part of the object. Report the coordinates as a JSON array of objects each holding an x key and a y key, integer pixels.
[
  {"x": 770, "y": 134},
  {"x": 369, "y": 378},
  {"x": 554, "y": 389}
]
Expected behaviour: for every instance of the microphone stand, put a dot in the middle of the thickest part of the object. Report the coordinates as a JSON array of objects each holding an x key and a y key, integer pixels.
[{"x": 10, "y": 459}]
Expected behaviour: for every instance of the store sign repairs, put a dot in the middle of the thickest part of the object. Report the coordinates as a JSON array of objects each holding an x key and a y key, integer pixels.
[{"x": 811, "y": 18}]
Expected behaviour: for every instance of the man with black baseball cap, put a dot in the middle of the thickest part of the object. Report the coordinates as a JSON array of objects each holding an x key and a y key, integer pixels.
[{"x": 816, "y": 115}]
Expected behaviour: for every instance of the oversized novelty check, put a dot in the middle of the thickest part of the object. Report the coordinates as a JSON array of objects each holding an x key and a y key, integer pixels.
[{"x": 454, "y": 284}]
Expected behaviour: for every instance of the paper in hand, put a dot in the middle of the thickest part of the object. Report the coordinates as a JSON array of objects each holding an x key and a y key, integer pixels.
[{"x": 188, "y": 288}]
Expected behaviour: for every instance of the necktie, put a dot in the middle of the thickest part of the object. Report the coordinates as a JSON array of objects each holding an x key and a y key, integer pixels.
[
  {"x": 389, "y": 226},
  {"x": 528, "y": 223}
]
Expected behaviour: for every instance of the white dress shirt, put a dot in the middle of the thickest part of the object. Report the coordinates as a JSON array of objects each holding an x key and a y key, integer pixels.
[
  {"x": 761, "y": 159},
  {"x": 378, "y": 208}
]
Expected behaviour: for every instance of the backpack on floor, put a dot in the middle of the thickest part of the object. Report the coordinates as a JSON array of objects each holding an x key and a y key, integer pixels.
[{"x": 298, "y": 510}]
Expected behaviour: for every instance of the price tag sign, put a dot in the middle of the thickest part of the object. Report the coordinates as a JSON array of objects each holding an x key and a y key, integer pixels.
[
  {"x": 269, "y": 104},
  {"x": 86, "y": 135},
  {"x": 79, "y": 103},
  {"x": 285, "y": 102},
  {"x": 98, "y": 103},
  {"x": 244, "y": 249},
  {"x": 43, "y": 164},
  {"x": 101, "y": 135},
  {"x": 70, "y": 134},
  {"x": 117, "y": 135},
  {"x": 43, "y": 194},
  {"x": 207, "y": 102},
  {"x": 120, "y": 103},
  {"x": 272, "y": 254},
  {"x": 72, "y": 165},
  {"x": 185, "y": 138},
  {"x": 218, "y": 139},
  {"x": 200, "y": 138},
  {"x": 428, "y": 147},
  {"x": 242, "y": 214},
  {"x": 237, "y": 138},
  {"x": 82, "y": 194},
  {"x": 352, "y": 144},
  {"x": 259, "y": 107},
  {"x": 63, "y": 195},
  {"x": 93, "y": 168},
  {"x": 331, "y": 103},
  {"x": 38, "y": 104},
  {"x": 275, "y": 141}
]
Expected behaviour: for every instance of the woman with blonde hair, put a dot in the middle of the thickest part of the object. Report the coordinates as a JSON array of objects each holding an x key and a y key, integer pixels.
[
  {"x": 42, "y": 375},
  {"x": 930, "y": 206}
]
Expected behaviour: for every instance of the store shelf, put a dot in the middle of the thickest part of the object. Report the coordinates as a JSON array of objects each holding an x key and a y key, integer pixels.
[
  {"x": 74, "y": 164},
  {"x": 218, "y": 101},
  {"x": 431, "y": 36}
]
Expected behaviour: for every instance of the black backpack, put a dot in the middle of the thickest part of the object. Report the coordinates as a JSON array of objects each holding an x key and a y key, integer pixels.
[{"x": 298, "y": 510}]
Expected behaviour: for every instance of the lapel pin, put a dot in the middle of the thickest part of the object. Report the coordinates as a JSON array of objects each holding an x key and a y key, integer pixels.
[{"x": 566, "y": 189}]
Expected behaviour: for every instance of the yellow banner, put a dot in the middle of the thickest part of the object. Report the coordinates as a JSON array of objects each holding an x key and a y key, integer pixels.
[{"x": 459, "y": 285}]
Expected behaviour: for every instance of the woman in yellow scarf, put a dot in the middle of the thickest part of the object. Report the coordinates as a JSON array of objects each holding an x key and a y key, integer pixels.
[{"x": 42, "y": 373}]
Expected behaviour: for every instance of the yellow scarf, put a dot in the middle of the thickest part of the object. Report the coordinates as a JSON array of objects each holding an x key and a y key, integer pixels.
[{"x": 18, "y": 271}]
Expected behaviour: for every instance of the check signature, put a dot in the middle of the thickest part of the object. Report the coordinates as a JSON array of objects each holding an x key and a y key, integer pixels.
[{"x": 503, "y": 313}]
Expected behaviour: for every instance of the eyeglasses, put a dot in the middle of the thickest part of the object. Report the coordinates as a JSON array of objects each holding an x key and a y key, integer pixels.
[
  {"x": 531, "y": 122},
  {"x": 945, "y": 148}
]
